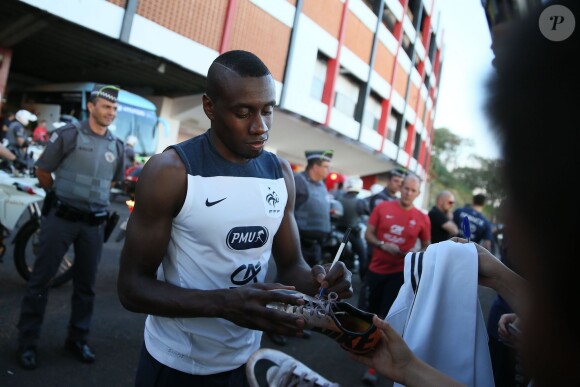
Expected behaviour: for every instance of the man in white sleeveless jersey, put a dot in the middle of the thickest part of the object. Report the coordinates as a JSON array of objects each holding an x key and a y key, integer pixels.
[{"x": 211, "y": 211}]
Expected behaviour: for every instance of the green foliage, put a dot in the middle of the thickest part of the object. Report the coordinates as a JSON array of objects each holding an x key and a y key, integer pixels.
[{"x": 464, "y": 181}]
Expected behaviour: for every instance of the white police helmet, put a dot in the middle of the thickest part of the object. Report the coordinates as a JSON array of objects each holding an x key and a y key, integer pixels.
[
  {"x": 131, "y": 140},
  {"x": 24, "y": 117},
  {"x": 353, "y": 184}
]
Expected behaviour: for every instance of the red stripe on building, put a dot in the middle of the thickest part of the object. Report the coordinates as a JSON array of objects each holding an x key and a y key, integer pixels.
[
  {"x": 386, "y": 104},
  {"x": 228, "y": 25},
  {"x": 333, "y": 67}
]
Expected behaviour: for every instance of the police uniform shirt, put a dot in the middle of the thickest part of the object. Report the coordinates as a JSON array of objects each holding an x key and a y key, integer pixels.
[
  {"x": 63, "y": 141},
  {"x": 15, "y": 131}
]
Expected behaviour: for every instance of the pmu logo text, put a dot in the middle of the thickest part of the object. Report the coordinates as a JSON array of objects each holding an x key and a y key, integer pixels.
[{"x": 248, "y": 237}]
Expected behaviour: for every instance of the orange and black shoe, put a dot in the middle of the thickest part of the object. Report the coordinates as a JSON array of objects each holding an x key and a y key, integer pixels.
[{"x": 351, "y": 327}]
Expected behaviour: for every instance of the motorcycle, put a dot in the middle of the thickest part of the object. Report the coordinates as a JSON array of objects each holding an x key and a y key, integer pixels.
[{"x": 19, "y": 194}]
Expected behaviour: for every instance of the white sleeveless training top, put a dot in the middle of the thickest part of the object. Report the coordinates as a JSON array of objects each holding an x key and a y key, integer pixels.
[{"x": 221, "y": 238}]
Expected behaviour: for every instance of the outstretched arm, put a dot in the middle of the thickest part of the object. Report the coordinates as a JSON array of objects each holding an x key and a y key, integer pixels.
[
  {"x": 494, "y": 274},
  {"x": 393, "y": 359}
]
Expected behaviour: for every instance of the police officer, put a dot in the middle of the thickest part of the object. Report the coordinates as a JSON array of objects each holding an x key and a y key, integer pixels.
[
  {"x": 312, "y": 209},
  {"x": 84, "y": 161},
  {"x": 17, "y": 135}
]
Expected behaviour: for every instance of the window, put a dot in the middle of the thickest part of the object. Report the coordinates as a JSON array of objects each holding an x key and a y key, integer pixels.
[
  {"x": 427, "y": 81},
  {"x": 422, "y": 21},
  {"x": 370, "y": 4},
  {"x": 417, "y": 147},
  {"x": 393, "y": 124},
  {"x": 346, "y": 94},
  {"x": 402, "y": 141},
  {"x": 319, "y": 78},
  {"x": 416, "y": 60},
  {"x": 412, "y": 10},
  {"x": 432, "y": 48},
  {"x": 372, "y": 114},
  {"x": 389, "y": 19},
  {"x": 407, "y": 46}
]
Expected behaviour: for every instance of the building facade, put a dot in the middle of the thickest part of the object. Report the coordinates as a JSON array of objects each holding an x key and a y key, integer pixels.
[{"x": 360, "y": 77}]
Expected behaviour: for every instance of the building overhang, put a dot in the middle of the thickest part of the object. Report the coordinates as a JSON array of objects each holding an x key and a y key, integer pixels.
[{"x": 291, "y": 135}]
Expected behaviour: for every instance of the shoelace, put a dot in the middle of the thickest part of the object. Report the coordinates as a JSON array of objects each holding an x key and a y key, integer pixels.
[{"x": 318, "y": 306}]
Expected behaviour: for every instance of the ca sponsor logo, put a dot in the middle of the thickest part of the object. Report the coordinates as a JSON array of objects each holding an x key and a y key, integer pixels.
[
  {"x": 247, "y": 237},
  {"x": 246, "y": 274}
]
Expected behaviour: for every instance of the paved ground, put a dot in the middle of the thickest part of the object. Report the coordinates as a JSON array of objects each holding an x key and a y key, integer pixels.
[{"x": 117, "y": 336}]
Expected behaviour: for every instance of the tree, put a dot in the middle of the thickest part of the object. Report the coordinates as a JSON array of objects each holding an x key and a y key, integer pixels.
[
  {"x": 486, "y": 177},
  {"x": 444, "y": 155},
  {"x": 446, "y": 147},
  {"x": 444, "y": 173}
]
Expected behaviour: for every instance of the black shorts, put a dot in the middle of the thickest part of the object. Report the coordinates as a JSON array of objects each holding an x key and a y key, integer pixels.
[{"x": 151, "y": 373}]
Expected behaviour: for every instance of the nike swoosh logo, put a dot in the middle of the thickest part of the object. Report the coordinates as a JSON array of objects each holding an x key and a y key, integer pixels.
[{"x": 209, "y": 204}]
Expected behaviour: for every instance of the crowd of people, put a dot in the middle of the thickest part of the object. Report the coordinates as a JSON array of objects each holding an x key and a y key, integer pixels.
[{"x": 213, "y": 212}]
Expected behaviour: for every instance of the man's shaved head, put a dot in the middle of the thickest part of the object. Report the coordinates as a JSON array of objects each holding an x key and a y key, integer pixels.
[{"x": 242, "y": 63}]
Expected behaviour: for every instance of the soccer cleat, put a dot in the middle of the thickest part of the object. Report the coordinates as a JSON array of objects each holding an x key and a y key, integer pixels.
[
  {"x": 284, "y": 372},
  {"x": 351, "y": 327}
]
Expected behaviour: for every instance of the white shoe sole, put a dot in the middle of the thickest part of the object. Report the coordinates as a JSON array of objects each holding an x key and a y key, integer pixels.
[{"x": 286, "y": 371}]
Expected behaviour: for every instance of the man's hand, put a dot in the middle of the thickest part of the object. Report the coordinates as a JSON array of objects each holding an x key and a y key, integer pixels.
[
  {"x": 507, "y": 333},
  {"x": 395, "y": 360},
  {"x": 391, "y": 357},
  {"x": 338, "y": 280},
  {"x": 246, "y": 306},
  {"x": 391, "y": 248}
]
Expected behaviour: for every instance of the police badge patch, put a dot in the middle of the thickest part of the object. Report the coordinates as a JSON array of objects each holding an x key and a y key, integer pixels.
[{"x": 110, "y": 157}]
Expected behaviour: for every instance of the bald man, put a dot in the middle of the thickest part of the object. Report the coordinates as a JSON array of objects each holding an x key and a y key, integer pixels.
[
  {"x": 393, "y": 229},
  {"x": 442, "y": 225}
]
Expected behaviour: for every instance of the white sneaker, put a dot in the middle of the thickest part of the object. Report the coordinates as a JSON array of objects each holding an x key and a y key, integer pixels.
[{"x": 285, "y": 372}]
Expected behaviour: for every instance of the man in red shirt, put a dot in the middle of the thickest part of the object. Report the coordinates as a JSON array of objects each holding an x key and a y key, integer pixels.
[
  {"x": 393, "y": 229},
  {"x": 40, "y": 133}
]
